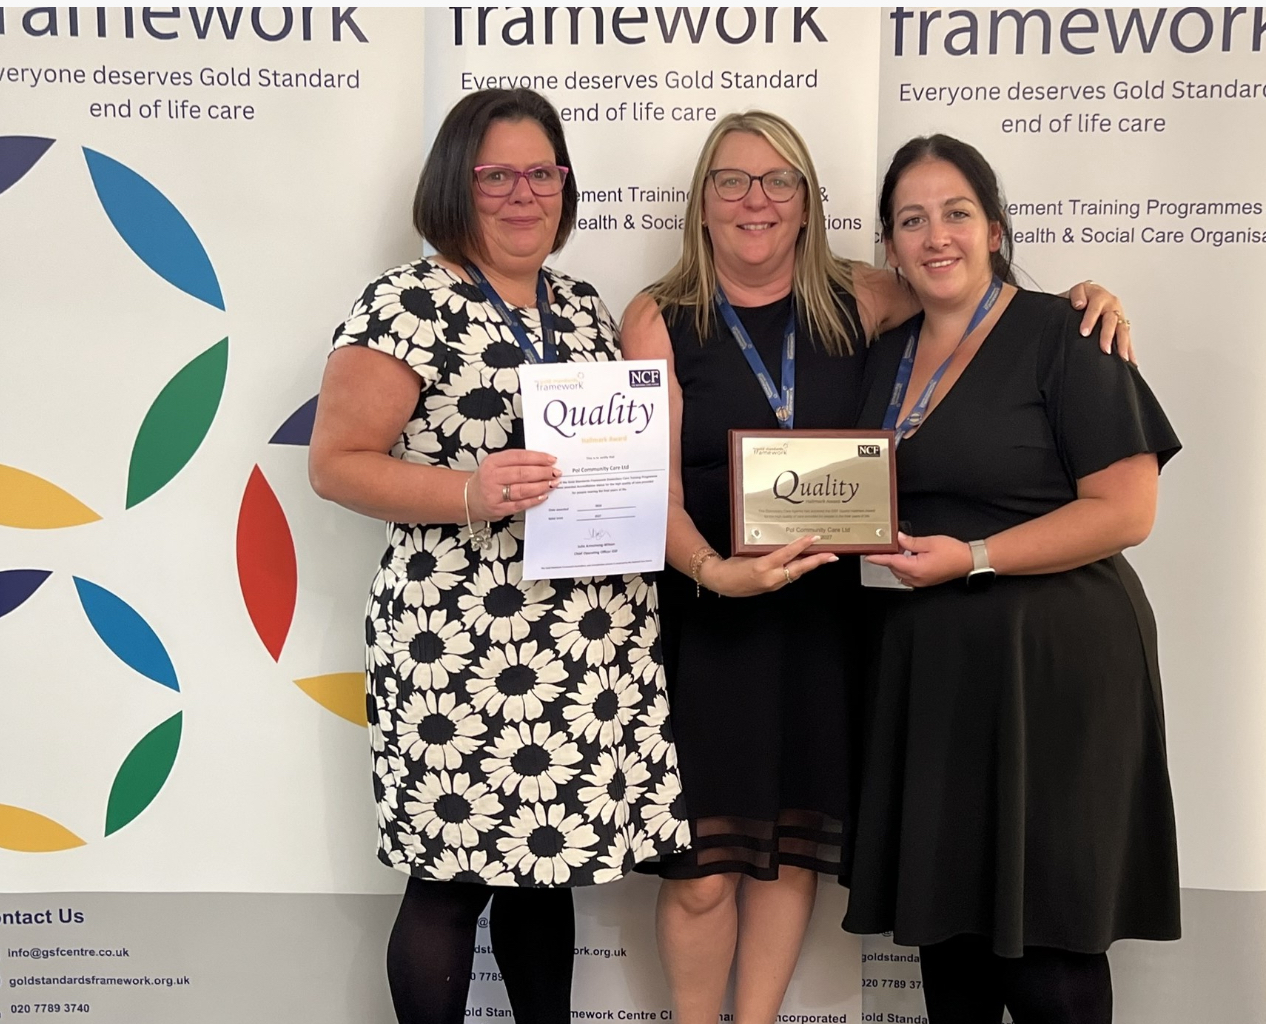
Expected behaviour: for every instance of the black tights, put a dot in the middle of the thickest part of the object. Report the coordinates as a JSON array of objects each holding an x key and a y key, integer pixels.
[
  {"x": 965, "y": 982},
  {"x": 432, "y": 946}
]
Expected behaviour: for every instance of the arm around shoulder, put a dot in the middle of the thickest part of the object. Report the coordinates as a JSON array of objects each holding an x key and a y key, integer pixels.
[
  {"x": 883, "y": 300},
  {"x": 643, "y": 333}
]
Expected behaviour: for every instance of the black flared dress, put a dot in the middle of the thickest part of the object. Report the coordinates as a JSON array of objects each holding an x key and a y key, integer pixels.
[
  {"x": 760, "y": 687},
  {"x": 1015, "y": 782}
]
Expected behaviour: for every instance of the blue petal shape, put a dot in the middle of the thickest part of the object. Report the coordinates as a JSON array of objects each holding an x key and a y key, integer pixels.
[
  {"x": 16, "y": 585},
  {"x": 153, "y": 228},
  {"x": 128, "y": 635},
  {"x": 298, "y": 428},
  {"x": 18, "y": 154}
]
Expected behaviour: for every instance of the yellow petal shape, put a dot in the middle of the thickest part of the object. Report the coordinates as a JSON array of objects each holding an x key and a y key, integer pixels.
[
  {"x": 340, "y": 692},
  {"x": 30, "y": 502},
  {"x": 28, "y": 832}
]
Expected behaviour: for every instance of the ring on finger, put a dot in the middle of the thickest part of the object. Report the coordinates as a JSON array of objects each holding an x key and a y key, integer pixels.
[
  {"x": 1120, "y": 317},
  {"x": 787, "y": 573},
  {"x": 505, "y": 492}
]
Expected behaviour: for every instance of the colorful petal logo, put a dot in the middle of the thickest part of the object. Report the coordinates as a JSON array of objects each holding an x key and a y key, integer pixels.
[
  {"x": 148, "y": 764},
  {"x": 180, "y": 417},
  {"x": 267, "y": 572},
  {"x": 177, "y": 422},
  {"x": 18, "y": 154},
  {"x": 32, "y": 503},
  {"x": 153, "y": 228},
  {"x": 266, "y": 567}
]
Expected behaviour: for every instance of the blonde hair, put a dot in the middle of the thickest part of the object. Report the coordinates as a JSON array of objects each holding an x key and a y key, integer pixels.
[{"x": 693, "y": 281}]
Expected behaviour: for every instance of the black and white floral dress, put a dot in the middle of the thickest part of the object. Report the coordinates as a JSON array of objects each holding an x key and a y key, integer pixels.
[{"x": 520, "y": 728}]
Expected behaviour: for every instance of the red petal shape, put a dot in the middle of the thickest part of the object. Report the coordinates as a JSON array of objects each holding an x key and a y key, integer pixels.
[{"x": 266, "y": 567}]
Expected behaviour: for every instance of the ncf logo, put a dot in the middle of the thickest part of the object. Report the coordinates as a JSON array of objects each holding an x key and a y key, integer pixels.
[{"x": 643, "y": 378}]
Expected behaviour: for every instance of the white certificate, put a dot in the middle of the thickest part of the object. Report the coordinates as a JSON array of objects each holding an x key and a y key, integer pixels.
[{"x": 607, "y": 424}]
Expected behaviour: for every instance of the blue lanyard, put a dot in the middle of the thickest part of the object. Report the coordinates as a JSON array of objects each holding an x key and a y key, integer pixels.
[
  {"x": 781, "y": 400},
  {"x": 916, "y": 414},
  {"x": 513, "y": 322}
]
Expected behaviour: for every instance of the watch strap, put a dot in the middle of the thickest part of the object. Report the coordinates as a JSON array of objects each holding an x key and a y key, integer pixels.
[{"x": 979, "y": 555}]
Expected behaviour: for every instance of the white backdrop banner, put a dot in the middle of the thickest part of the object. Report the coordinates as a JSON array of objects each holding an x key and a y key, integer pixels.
[
  {"x": 1129, "y": 142},
  {"x": 191, "y": 198},
  {"x": 638, "y": 90}
]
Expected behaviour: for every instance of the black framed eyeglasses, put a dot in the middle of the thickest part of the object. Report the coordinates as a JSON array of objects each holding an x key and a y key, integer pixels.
[
  {"x": 499, "y": 181},
  {"x": 779, "y": 186}
]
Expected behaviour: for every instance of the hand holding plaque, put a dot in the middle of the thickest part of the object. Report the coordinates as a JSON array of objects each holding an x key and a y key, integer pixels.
[{"x": 840, "y": 485}]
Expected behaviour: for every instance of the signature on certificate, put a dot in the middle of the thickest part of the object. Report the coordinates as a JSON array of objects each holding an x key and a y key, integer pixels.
[{"x": 596, "y": 533}]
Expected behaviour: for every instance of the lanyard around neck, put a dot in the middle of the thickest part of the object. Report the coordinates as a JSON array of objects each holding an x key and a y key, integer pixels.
[
  {"x": 781, "y": 399},
  {"x": 514, "y": 323},
  {"x": 919, "y": 410}
]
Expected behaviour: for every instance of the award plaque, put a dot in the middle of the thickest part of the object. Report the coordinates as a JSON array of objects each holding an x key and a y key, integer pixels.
[{"x": 840, "y": 485}]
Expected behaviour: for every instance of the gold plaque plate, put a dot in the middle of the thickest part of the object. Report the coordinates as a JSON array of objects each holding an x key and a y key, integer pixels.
[{"x": 840, "y": 485}]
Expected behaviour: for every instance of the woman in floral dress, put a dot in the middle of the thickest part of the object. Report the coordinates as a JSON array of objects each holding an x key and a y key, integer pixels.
[{"x": 520, "y": 728}]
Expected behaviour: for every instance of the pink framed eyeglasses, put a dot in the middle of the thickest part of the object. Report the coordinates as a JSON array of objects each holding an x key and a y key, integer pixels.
[{"x": 499, "y": 181}]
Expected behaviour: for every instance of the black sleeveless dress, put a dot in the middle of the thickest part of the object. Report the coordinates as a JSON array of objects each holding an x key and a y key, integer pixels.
[{"x": 761, "y": 687}]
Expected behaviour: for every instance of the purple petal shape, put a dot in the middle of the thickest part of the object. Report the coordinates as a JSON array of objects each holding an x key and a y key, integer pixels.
[
  {"x": 16, "y": 585},
  {"x": 18, "y": 154},
  {"x": 297, "y": 429}
]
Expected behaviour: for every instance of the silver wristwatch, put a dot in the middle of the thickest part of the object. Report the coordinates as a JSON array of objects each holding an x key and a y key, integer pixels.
[{"x": 982, "y": 573}]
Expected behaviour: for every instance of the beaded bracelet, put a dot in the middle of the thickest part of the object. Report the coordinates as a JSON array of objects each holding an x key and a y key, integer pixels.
[{"x": 696, "y": 565}]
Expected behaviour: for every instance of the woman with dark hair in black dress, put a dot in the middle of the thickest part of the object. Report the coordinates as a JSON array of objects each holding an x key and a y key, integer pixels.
[
  {"x": 1016, "y": 815},
  {"x": 762, "y": 687}
]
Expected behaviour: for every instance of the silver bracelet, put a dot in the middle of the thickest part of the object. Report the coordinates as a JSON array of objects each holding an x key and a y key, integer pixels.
[{"x": 480, "y": 539}]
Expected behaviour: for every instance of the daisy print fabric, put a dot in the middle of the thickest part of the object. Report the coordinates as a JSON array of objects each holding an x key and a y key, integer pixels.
[{"x": 520, "y": 729}]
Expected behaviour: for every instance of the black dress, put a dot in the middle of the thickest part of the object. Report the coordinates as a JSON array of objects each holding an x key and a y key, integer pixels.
[
  {"x": 760, "y": 687},
  {"x": 1015, "y": 782}
]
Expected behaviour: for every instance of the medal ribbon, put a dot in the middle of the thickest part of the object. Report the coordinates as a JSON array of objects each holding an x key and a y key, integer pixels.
[
  {"x": 514, "y": 323},
  {"x": 782, "y": 400},
  {"x": 904, "y": 371}
]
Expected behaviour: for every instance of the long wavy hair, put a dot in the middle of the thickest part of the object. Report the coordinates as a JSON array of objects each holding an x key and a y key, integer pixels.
[{"x": 692, "y": 283}]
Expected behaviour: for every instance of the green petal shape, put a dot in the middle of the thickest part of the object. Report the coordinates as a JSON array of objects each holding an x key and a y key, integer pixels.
[
  {"x": 143, "y": 773},
  {"x": 177, "y": 422}
]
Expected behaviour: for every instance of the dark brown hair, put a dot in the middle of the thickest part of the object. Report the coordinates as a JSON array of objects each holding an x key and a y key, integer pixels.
[
  {"x": 443, "y": 206},
  {"x": 980, "y": 176}
]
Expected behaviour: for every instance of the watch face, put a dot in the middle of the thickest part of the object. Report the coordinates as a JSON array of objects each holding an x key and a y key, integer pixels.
[{"x": 978, "y": 579}]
